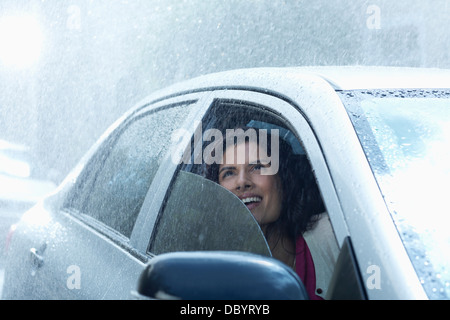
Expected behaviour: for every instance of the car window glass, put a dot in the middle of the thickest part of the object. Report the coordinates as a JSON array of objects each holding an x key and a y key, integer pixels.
[
  {"x": 115, "y": 194},
  {"x": 201, "y": 215}
]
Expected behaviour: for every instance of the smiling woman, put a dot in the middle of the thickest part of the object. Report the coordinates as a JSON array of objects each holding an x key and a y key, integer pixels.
[
  {"x": 285, "y": 203},
  {"x": 21, "y": 40}
]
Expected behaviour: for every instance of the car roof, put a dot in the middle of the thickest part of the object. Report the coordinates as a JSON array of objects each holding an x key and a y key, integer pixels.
[
  {"x": 359, "y": 77},
  {"x": 339, "y": 77}
]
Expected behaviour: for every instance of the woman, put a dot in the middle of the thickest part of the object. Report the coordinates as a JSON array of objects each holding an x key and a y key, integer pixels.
[{"x": 285, "y": 203}]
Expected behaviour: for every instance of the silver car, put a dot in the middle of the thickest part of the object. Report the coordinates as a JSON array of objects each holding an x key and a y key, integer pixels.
[{"x": 378, "y": 142}]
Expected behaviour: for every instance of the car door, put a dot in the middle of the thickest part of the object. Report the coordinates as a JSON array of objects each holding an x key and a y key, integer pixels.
[
  {"x": 228, "y": 109},
  {"x": 86, "y": 251}
]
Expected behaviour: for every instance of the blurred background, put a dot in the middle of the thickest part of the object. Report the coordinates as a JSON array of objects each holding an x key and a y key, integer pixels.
[{"x": 68, "y": 69}]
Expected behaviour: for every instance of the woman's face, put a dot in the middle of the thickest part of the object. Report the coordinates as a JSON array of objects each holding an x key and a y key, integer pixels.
[{"x": 262, "y": 194}]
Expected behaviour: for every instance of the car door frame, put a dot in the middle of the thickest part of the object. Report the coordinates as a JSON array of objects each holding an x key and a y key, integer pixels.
[
  {"x": 279, "y": 108},
  {"x": 293, "y": 118}
]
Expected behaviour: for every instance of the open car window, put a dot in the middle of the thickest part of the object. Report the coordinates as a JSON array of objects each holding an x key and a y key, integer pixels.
[{"x": 199, "y": 214}]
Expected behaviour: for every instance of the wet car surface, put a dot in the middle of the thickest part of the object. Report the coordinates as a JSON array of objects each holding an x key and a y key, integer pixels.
[{"x": 139, "y": 193}]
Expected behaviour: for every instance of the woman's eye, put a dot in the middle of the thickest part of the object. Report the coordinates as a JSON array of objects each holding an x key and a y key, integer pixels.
[
  {"x": 227, "y": 174},
  {"x": 257, "y": 166}
]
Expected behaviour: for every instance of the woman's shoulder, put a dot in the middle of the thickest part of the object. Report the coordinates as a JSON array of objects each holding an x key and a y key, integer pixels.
[{"x": 322, "y": 244}]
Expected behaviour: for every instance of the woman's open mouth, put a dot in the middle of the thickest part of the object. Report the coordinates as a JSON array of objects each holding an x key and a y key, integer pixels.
[{"x": 251, "y": 202}]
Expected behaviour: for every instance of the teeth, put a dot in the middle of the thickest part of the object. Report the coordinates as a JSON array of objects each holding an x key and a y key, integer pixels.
[{"x": 251, "y": 199}]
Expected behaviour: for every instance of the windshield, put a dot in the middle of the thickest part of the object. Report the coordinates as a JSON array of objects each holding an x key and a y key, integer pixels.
[{"x": 406, "y": 137}]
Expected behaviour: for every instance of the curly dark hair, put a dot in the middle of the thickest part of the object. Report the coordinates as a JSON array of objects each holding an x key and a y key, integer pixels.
[{"x": 302, "y": 203}]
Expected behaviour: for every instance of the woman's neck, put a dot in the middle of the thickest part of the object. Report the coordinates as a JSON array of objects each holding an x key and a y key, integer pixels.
[{"x": 283, "y": 249}]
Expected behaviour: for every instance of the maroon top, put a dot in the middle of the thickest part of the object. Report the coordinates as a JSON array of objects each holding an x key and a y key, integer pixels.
[{"x": 304, "y": 266}]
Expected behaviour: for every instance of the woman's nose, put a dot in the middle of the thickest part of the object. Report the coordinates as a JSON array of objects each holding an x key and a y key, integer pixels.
[{"x": 243, "y": 181}]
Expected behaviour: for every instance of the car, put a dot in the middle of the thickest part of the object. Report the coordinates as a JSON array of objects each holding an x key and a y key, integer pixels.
[{"x": 137, "y": 219}]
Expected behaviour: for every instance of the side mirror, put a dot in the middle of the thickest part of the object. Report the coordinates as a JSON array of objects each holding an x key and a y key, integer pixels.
[{"x": 216, "y": 275}]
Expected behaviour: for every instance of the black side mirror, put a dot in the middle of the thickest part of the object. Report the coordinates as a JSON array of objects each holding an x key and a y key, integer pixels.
[{"x": 219, "y": 276}]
